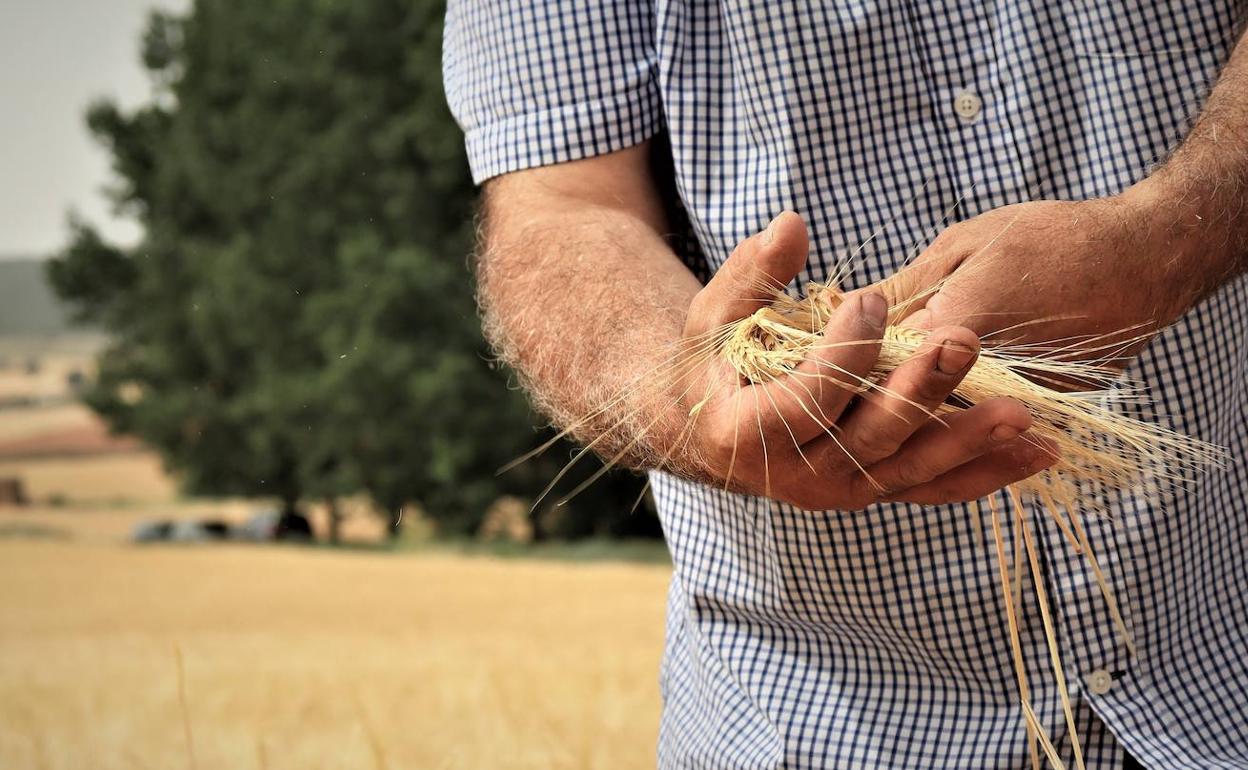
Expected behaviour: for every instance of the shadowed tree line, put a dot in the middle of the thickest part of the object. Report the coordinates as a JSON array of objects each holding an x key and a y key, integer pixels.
[{"x": 297, "y": 321}]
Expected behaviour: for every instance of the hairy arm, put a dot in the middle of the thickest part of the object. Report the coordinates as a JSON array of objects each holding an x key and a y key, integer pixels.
[
  {"x": 580, "y": 292},
  {"x": 1199, "y": 196},
  {"x": 582, "y": 296}
]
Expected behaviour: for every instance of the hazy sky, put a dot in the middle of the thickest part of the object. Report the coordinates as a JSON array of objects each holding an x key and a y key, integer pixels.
[{"x": 55, "y": 57}]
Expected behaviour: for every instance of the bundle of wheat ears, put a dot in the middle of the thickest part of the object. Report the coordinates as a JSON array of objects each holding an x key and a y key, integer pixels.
[{"x": 1101, "y": 449}]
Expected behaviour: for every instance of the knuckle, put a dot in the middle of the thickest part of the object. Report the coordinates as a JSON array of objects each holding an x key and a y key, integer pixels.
[
  {"x": 832, "y": 462},
  {"x": 952, "y": 234},
  {"x": 978, "y": 443},
  {"x": 876, "y": 444},
  {"x": 699, "y": 314},
  {"x": 932, "y": 388},
  {"x": 915, "y": 472},
  {"x": 721, "y": 442}
]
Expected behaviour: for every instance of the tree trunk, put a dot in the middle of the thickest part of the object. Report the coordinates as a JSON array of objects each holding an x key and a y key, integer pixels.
[
  {"x": 395, "y": 523},
  {"x": 335, "y": 519},
  {"x": 293, "y": 525}
]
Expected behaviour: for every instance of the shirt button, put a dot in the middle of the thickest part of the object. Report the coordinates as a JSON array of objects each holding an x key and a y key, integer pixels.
[
  {"x": 1099, "y": 681},
  {"x": 967, "y": 105}
]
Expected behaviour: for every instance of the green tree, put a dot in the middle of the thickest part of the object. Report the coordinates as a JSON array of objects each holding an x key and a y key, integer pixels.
[{"x": 297, "y": 321}]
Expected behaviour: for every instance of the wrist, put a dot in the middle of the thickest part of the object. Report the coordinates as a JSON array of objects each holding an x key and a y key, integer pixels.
[{"x": 1186, "y": 241}]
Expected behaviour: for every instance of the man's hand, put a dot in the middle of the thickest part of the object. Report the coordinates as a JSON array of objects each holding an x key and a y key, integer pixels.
[
  {"x": 1085, "y": 273},
  {"x": 796, "y": 438}
]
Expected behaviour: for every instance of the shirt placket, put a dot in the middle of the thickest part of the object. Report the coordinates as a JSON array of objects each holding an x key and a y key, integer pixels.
[
  {"x": 969, "y": 90},
  {"x": 967, "y": 63},
  {"x": 1094, "y": 651}
]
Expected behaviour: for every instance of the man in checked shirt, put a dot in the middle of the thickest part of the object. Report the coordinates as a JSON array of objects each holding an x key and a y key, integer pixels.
[{"x": 830, "y": 626}]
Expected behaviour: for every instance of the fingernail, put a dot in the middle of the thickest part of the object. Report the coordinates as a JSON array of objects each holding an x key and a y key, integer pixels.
[
  {"x": 953, "y": 357},
  {"x": 1004, "y": 432},
  {"x": 875, "y": 310}
]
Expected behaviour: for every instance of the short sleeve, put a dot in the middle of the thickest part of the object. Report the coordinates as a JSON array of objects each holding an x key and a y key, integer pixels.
[{"x": 536, "y": 82}]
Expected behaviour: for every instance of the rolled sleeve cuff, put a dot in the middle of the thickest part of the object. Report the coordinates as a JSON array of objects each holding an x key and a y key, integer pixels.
[{"x": 563, "y": 133}]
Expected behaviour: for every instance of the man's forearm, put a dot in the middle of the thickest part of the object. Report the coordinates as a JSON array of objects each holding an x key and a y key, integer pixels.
[
  {"x": 1200, "y": 194},
  {"x": 580, "y": 294}
]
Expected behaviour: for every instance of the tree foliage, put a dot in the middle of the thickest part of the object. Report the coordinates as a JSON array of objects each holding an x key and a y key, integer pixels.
[{"x": 298, "y": 321}]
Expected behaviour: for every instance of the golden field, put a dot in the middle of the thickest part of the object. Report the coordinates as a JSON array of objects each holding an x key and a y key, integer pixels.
[
  {"x": 292, "y": 657},
  {"x": 317, "y": 658}
]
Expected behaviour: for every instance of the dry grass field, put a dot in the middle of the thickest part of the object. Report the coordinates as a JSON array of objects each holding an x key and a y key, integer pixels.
[
  {"x": 314, "y": 658},
  {"x": 291, "y": 657},
  {"x": 57, "y": 355},
  {"x": 86, "y": 476},
  {"x": 110, "y": 478}
]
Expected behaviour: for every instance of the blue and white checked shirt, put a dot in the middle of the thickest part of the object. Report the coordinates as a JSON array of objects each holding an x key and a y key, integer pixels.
[{"x": 877, "y": 639}]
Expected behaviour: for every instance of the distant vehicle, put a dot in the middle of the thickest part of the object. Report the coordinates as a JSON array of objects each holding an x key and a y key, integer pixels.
[
  {"x": 151, "y": 531},
  {"x": 186, "y": 531},
  {"x": 266, "y": 526},
  {"x": 273, "y": 525},
  {"x": 260, "y": 527},
  {"x": 180, "y": 531}
]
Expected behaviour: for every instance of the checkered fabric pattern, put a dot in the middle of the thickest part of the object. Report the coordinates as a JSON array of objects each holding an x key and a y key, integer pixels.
[{"x": 876, "y": 639}]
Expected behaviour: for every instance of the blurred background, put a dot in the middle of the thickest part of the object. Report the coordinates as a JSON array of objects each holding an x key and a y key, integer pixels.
[{"x": 250, "y": 514}]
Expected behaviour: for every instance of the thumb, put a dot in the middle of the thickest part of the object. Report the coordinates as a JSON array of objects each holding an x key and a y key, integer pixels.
[{"x": 758, "y": 268}]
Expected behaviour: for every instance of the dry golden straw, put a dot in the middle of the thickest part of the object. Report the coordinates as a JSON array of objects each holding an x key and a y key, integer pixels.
[{"x": 1096, "y": 444}]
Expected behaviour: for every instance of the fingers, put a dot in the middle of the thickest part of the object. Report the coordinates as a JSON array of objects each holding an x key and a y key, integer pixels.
[
  {"x": 886, "y": 417},
  {"x": 939, "y": 448},
  {"x": 1019, "y": 459},
  {"x": 910, "y": 289},
  {"x": 919, "y": 319},
  {"x": 762, "y": 265},
  {"x": 803, "y": 405}
]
